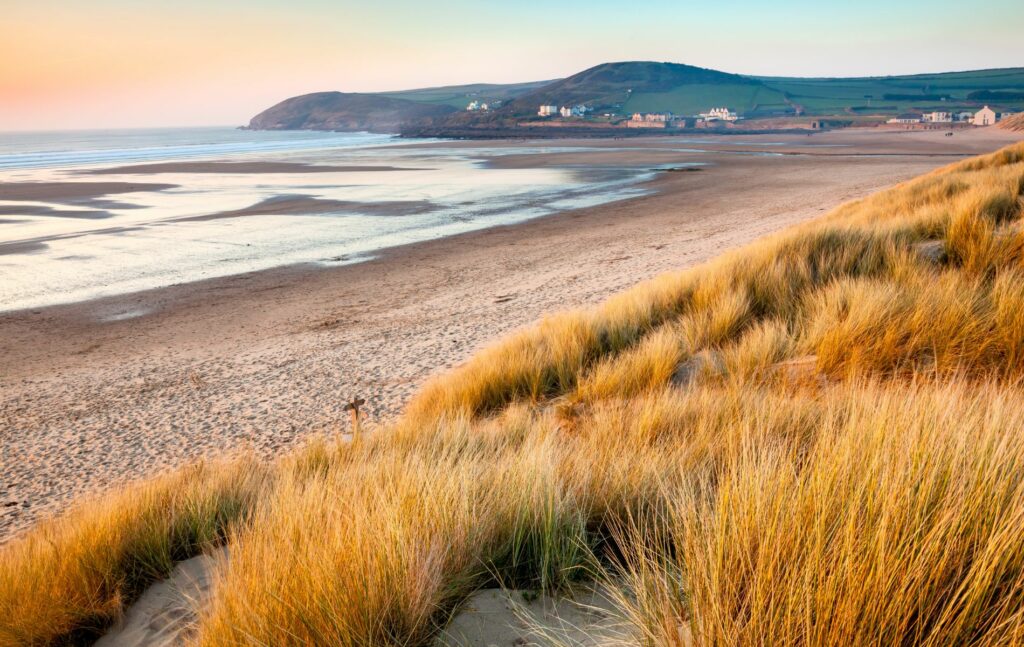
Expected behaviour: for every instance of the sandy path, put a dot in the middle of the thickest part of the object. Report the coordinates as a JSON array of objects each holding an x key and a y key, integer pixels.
[{"x": 107, "y": 390}]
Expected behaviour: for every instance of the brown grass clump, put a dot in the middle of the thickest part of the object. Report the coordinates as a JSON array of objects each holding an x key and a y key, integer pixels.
[
  {"x": 814, "y": 440},
  {"x": 69, "y": 578}
]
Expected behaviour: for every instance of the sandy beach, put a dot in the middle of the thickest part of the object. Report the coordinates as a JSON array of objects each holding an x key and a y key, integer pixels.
[{"x": 98, "y": 392}]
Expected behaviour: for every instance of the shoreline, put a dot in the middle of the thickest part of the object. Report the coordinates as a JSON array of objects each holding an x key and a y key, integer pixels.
[{"x": 107, "y": 390}]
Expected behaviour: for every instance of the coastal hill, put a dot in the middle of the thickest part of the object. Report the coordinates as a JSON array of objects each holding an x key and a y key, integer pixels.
[
  {"x": 380, "y": 112},
  {"x": 345, "y": 111},
  {"x": 620, "y": 89},
  {"x": 458, "y": 96},
  {"x": 638, "y": 85}
]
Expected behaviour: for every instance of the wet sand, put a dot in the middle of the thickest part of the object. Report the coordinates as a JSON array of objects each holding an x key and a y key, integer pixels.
[
  {"x": 236, "y": 167},
  {"x": 102, "y": 391},
  {"x": 307, "y": 204},
  {"x": 65, "y": 192}
]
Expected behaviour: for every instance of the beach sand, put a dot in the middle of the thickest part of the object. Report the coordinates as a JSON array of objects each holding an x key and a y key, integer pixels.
[
  {"x": 218, "y": 166},
  {"x": 72, "y": 192},
  {"x": 95, "y": 393},
  {"x": 307, "y": 204}
]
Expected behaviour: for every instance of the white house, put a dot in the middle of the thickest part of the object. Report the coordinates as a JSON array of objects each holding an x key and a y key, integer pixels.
[
  {"x": 653, "y": 117},
  {"x": 719, "y": 114},
  {"x": 547, "y": 111},
  {"x": 938, "y": 117},
  {"x": 984, "y": 117},
  {"x": 473, "y": 106},
  {"x": 905, "y": 119}
]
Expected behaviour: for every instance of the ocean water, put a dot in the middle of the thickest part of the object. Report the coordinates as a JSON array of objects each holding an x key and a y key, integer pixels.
[{"x": 69, "y": 241}]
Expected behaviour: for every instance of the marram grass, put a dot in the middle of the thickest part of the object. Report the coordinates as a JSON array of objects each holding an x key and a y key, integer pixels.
[{"x": 817, "y": 439}]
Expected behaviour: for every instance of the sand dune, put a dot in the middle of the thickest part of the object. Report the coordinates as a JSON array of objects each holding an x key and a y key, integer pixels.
[{"x": 95, "y": 393}]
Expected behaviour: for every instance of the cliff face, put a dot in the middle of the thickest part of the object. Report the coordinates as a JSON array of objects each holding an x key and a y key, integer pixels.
[{"x": 346, "y": 112}]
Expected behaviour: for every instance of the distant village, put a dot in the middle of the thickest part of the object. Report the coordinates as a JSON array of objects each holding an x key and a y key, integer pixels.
[
  {"x": 984, "y": 117},
  {"x": 723, "y": 115},
  {"x": 645, "y": 119}
]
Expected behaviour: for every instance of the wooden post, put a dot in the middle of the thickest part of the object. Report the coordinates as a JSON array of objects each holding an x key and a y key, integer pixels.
[{"x": 353, "y": 410}]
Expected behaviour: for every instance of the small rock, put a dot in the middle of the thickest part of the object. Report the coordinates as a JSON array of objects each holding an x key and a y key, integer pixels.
[
  {"x": 688, "y": 371},
  {"x": 932, "y": 251}
]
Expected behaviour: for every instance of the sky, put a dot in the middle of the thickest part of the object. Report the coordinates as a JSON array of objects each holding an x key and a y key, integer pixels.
[{"x": 68, "y": 64}]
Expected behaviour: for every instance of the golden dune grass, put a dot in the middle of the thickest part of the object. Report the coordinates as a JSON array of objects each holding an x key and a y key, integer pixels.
[{"x": 814, "y": 440}]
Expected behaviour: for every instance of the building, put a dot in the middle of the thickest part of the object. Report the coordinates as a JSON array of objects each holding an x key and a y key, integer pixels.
[
  {"x": 476, "y": 105},
  {"x": 646, "y": 124},
  {"x": 984, "y": 117},
  {"x": 938, "y": 117},
  {"x": 1004, "y": 115},
  {"x": 652, "y": 117},
  {"x": 547, "y": 111},
  {"x": 905, "y": 119},
  {"x": 964, "y": 116},
  {"x": 651, "y": 120},
  {"x": 719, "y": 114}
]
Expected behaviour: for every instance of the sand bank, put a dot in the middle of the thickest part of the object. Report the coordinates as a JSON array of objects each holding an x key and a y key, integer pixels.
[
  {"x": 285, "y": 205},
  {"x": 64, "y": 192}
]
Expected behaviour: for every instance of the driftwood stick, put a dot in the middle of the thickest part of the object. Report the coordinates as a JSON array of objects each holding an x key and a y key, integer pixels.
[{"x": 353, "y": 409}]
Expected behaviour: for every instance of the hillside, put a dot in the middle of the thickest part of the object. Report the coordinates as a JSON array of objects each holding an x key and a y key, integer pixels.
[
  {"x": 891, "y": 94},
  {"x": 459, "y": 96},
  {"x": 817, "y": 439},
  {"x": 383, "y": 111},
  {"x": 344, "y": 111},
  {"x": 614, "y": 86},
  {"x": 641, "y": 86}
]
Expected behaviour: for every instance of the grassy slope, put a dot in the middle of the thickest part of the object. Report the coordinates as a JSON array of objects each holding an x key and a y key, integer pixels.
[
  {"x": 459, "y": 96},
  {"x": 610, "y": 86},
  {"x": 830, "y": 95},
  {"x": 817, "y": 439},
  {"x": 697, "y": 98},
  {"x": 692, "y": 95},
  {"x": 688, "y": 90}
]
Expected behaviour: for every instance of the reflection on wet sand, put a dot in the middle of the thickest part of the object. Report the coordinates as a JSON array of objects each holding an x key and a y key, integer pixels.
[
  {"x": 239, "y": 167},
  {"x": 284, "y": 205}
]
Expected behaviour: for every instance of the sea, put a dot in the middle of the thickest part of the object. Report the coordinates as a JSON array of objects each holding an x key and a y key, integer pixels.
[{"x": 63, "y": 241}]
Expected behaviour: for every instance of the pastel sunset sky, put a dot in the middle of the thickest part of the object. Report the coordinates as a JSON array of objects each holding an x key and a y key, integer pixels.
[{"x": 134, "y": 63}]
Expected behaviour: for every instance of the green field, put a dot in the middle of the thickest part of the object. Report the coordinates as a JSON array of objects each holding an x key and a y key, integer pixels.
[
  {"x": 459, "y": 96},
  {"x": 868, "y": 94},
  {"x": 693, "y": 99},
  {"x": 625, "y": 88},
  {"x": 824, "y": 96}
]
